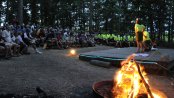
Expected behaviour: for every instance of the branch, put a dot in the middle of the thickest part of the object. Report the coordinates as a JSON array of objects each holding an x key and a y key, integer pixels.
[{"x": 145, "y": 84}]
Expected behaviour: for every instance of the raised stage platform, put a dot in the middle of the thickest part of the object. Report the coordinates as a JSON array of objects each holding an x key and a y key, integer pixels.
[{"x": 161, "y": 57}]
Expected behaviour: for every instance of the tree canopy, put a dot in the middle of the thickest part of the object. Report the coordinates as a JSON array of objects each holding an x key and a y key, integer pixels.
[{"x": 116, "y": 16}]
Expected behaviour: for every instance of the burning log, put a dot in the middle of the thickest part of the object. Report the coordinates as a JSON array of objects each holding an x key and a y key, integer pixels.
[
  {"x": 131, "y": 59},
  {"x": 129, "y": 82},
  {"x": 144, "y": 81},
  {"x": 142, "y": 96}
]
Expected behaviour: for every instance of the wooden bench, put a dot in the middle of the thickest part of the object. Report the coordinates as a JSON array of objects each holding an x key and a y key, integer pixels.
[{"x": 2, "y": 51}]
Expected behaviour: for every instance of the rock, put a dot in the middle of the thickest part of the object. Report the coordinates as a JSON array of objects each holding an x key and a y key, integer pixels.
[
  {"x": 41, "y": 93},
  {"x": 165, "y": 58}
]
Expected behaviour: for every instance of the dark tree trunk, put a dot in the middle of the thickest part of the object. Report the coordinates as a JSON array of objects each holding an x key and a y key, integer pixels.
[
  {"x": 7, "y": 12},
  {"x": 33, "y": 11},
  {"x": 169, "y": 33},
  {"x": 20, "y": 12},
  {"x": 152, "y": 28},
  {"x": 91, "y": 15},
  {"x": 0, "y": 12},
  {"x": 106, "y": 24}
]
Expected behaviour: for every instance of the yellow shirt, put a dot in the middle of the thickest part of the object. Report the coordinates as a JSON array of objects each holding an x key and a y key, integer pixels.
[
  {"x": 146, "y": 36},
  {"x": 139, "y": 28},
  {"x": 135, "y": 27}
]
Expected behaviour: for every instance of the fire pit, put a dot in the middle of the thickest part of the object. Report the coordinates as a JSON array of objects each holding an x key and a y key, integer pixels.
[
  {"x": 103, "y": 89},
  {"x": 129, "y": 82}
]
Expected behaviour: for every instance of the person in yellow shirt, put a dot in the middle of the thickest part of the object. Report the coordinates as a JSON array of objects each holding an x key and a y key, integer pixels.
[
  {"x": 146, "y": 41},
  {"x": 139, "y": 35}
]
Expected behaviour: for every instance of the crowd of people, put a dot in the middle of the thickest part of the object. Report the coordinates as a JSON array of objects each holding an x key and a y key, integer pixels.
[
  {"x": 15, "y": 39},
  {"x": 141, "y": 39},
  {"x": 64, "y": 38},
  {"x": 116, "y": 40}
]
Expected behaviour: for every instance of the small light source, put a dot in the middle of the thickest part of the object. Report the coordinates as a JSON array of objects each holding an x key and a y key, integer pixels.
[
  {"x": 73, "y": 52},
  {"x": 2, "y": 24}
]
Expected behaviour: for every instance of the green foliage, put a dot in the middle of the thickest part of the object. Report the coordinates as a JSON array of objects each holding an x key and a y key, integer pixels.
[{"x": 109, "y": 15}]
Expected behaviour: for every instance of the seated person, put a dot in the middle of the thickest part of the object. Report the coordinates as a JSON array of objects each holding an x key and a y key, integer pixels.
[
  {"x": 59, "y": 41},
  {"x": 90, "y": 41},
  {"x": 5, "y": 48},
  {"x": 154, "y": 45},
  {"x": 48, "y": 37},
  {"x": 40, "y": 35},
  {"x": 23, "y": 45},
  {"x": 65, "y": 39},
  {"x": 6, "y": 35},
  {"x": 29, "y": 40}
]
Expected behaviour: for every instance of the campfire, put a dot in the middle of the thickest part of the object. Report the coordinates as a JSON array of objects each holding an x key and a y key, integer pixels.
[{"x": 130, "y": 81}]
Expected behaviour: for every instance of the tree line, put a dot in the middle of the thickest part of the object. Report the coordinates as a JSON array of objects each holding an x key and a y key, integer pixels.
[{"x": 116, "y": 16}]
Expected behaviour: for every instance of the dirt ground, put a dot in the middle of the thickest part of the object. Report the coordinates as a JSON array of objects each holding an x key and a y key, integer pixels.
[{"x": 60, "y": 75}]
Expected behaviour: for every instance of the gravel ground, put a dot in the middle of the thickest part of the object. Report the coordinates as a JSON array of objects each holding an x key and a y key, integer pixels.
[
  {"x": 54, "y": 71},
  {"x": 58, "y": 74}
]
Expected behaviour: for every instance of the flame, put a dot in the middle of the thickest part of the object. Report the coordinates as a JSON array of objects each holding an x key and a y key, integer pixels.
[{"x": 129, "y": 84}]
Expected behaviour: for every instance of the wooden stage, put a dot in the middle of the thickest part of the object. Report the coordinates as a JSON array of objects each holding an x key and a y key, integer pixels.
[{"x": 164, "y": 58}]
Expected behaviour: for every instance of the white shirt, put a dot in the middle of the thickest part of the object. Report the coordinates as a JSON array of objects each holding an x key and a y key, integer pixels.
[
  {"x": 13, "y": 38},
  {"x": 25, "y": 35},
  {"x": 19, "y": 38},
  {"x": 7, "y": 36}
]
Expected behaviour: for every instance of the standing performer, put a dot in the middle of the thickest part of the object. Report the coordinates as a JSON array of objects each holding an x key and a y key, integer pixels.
[{"x": 139, "y": 35}]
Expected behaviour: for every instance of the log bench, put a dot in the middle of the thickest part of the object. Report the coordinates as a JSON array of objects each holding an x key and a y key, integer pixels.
[{"x": 2, "y": 51}]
